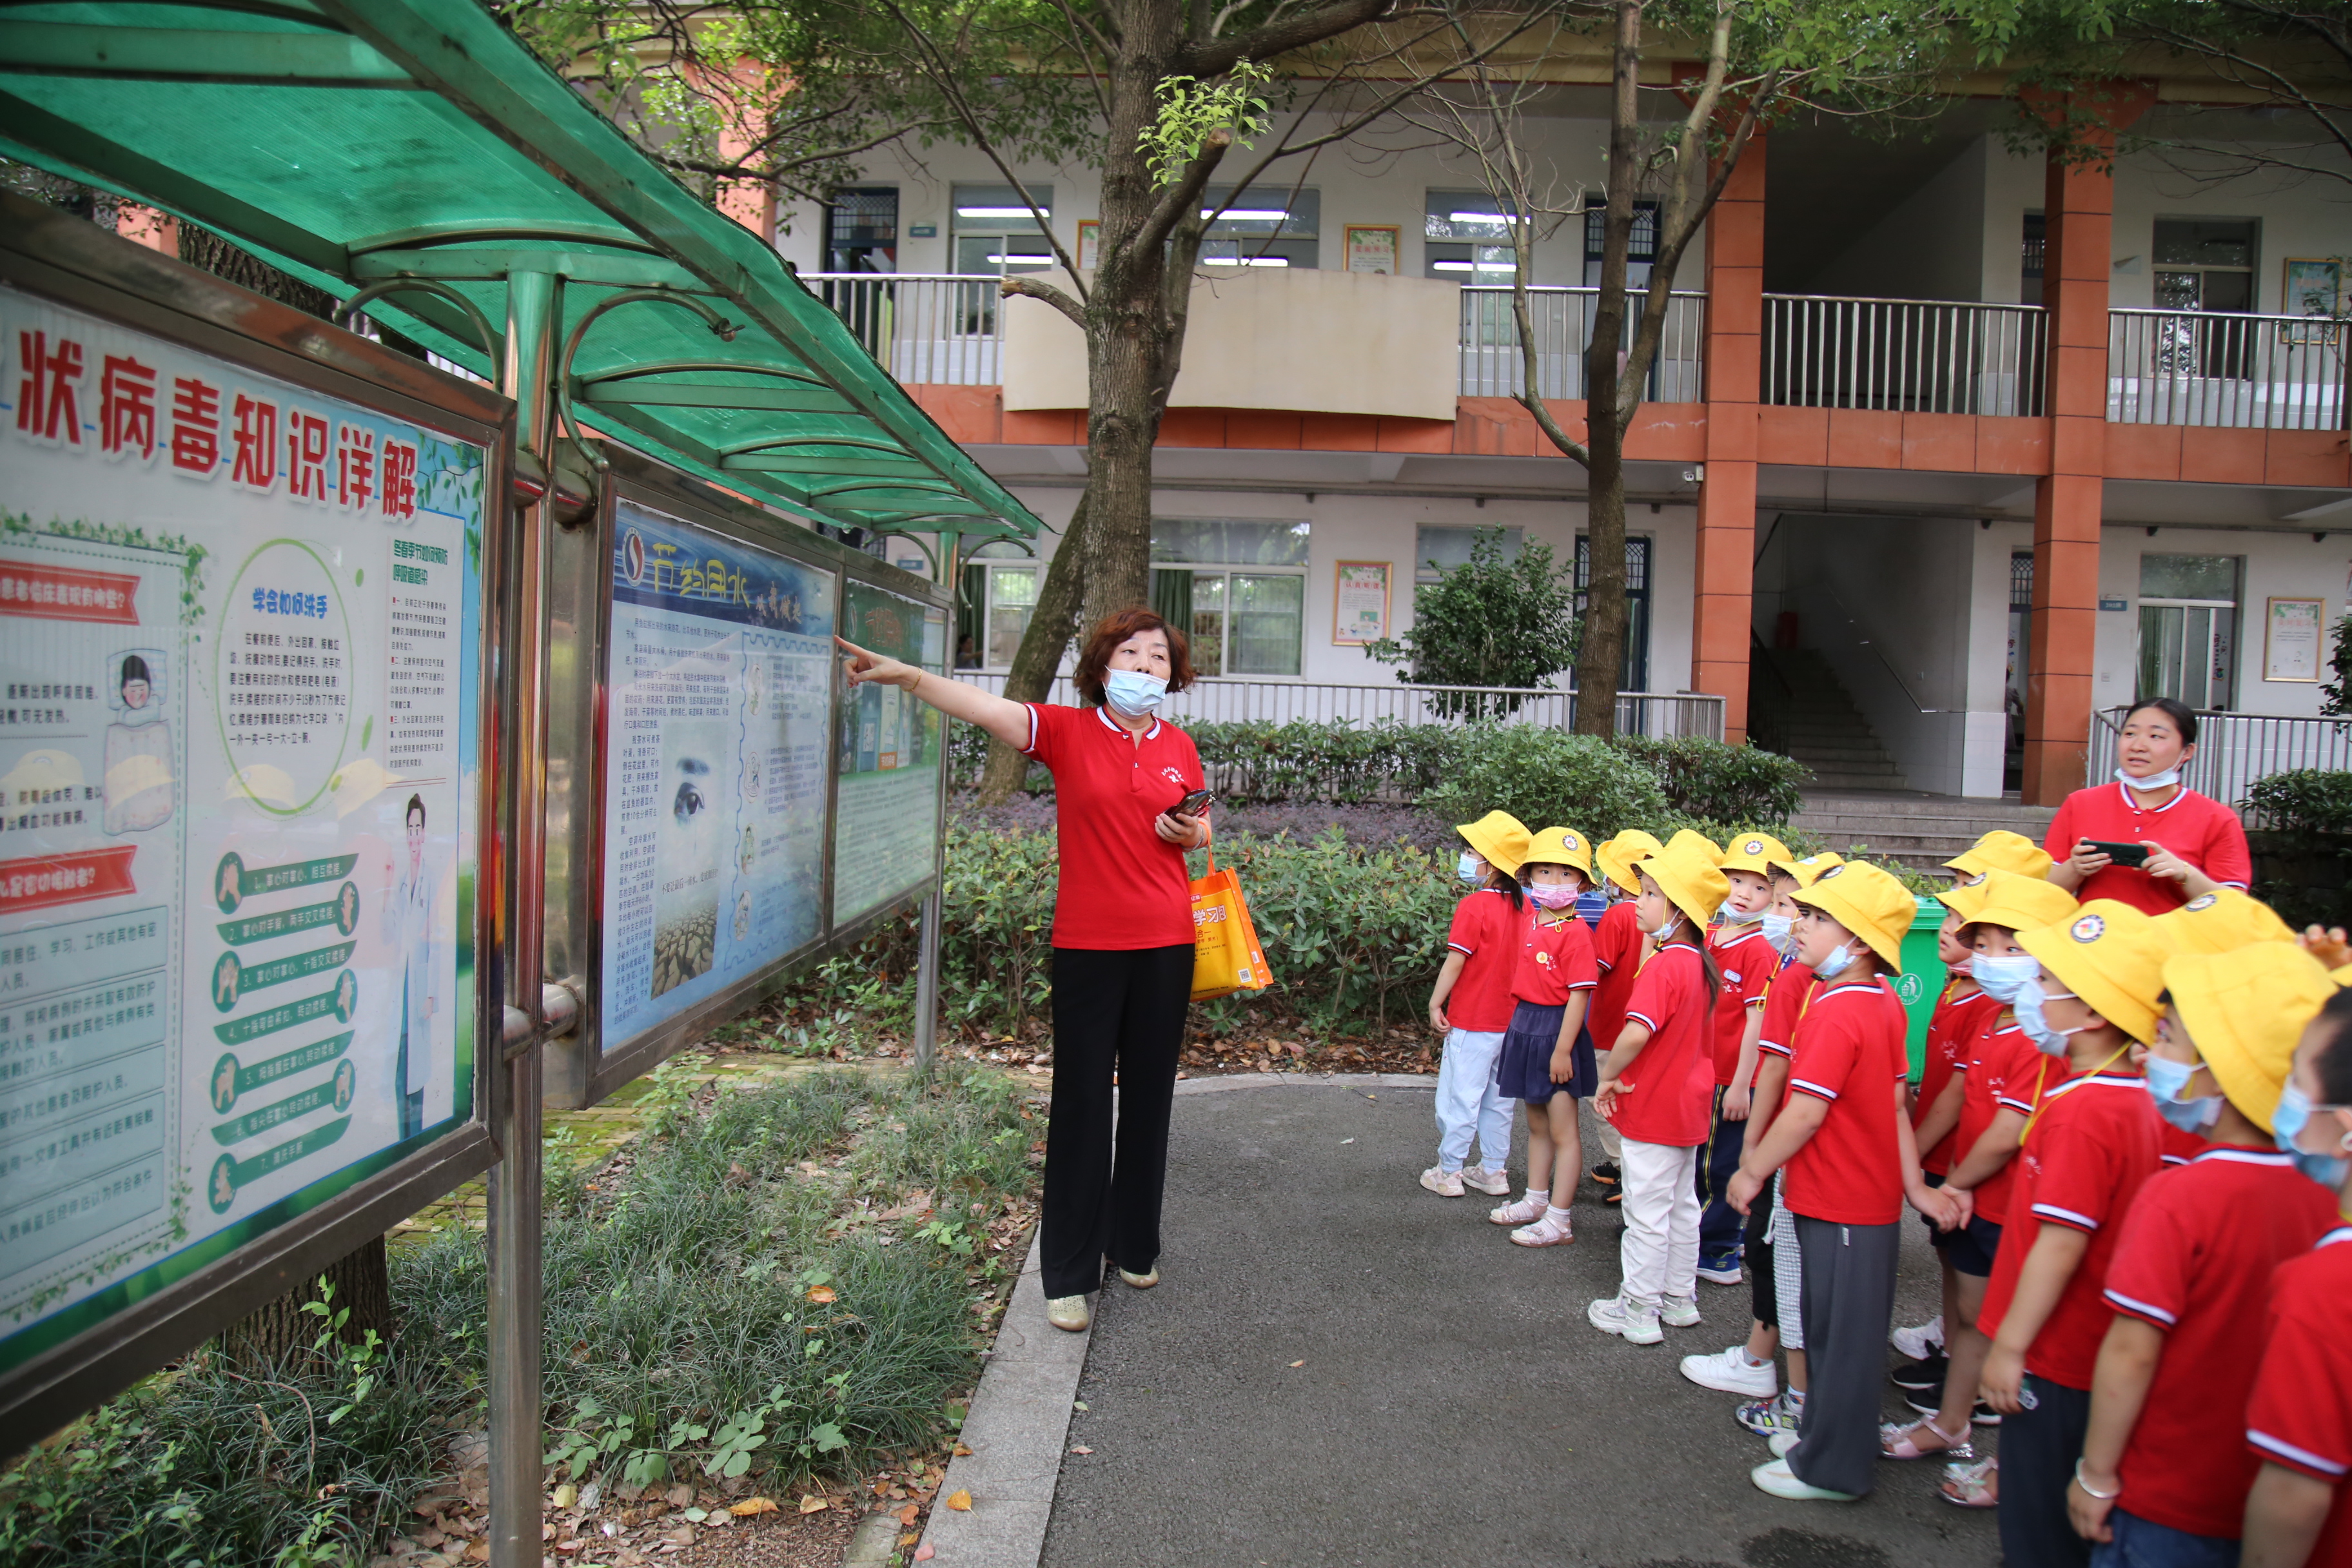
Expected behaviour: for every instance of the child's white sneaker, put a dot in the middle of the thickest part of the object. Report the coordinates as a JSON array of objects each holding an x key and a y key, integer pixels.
[
  {"x": 1678, "y": 1312},
  {"x": 1920, "y": 1342},
  {"x": 1545, "y": 1232},
  {"x": 1494, "y": 1184},
  {"x": 1636, "y": 1325},
  {"x": 1445, "y": 1184},
  {"x": 1731, "y": 1372},
  {"x": 1521, "y": 1212}
]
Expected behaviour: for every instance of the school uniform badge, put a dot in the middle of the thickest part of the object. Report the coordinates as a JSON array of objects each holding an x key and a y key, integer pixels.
[{"x": 2090, "y": 928}]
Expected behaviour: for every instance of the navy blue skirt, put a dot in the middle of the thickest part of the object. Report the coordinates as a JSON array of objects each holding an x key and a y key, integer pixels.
[{"x": 1523, "y": 1068}]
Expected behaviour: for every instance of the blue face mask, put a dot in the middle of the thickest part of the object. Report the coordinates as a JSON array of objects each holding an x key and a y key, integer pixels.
[
  {"x": 2166, "y": 1079},
  {"x": 2047, "y": 1039},
  {"x": 1777, "y": 931},
  {"x": 1132, "y": 692},
  {"x": 1471, "y": 869},
  {"x": 2001, "y": 978},
  {"x": 2287, "y": 1122}
]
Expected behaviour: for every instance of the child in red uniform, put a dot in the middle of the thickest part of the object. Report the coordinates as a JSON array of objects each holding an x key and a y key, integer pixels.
[
  {"x": 2299, "y": 1422},
  {"x": 1981, "y": 1111},
  {"x": 1471, "y": 1007},
  {"x": 1619, "y": 948},
  {"x": 1844, "y": 1138},
  {"x": 1746, "y": 960},
  {"x": 1748, "y": 1369},
  {"x": 1547, "y": 1061},
  {"x": 2160, "y": 1481},
  {"x": 2087, "y": 1153},
  {"x": 1653, "y": 1087}
]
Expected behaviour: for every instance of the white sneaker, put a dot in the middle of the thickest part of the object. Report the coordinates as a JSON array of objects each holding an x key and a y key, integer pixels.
[
  {"x": 1494, "y": 1184},
  {"x": 1445, "y": 1184},
  {"x": 1726, "y": 1274},
  {"x": 1782, "y": 1481},
  {"x": 1545, "y": 1232},
  {"x": 1526, "y": 1211},
  {"x": 1780, "y": 1443},
  {"x": 1633, "y": 1324},
  {"x": 1678, "y": 1312},
  {"x": 1731, "y": 1372},
  {"x": 1924, "y": 1343}
]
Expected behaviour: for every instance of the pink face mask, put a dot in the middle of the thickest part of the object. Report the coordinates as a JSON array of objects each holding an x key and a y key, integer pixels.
[{"x": 1552, "y": 895}]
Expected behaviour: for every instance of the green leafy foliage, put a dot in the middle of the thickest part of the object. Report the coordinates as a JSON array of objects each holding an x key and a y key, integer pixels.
[
  {"x": 1191, "y": 110},
  {"x": 1741, "y": 785},
  {"x": 1490, "y": 622},
  {"x": 1547, "y": 778},
  {"x": 2335, "y": 696},
  {"x": 2307, "y": 800},
  {"x": 1339, "y": 763}
]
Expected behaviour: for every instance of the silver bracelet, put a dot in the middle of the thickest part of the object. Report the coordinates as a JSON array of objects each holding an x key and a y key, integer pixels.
[{"x": 2088, "y": 1492}]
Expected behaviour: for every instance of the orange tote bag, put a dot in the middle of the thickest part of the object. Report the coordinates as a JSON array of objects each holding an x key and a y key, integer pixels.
[{"x": 1226, "y": 955}]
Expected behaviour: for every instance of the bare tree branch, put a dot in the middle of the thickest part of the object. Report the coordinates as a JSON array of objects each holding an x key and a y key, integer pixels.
[
  {"x": 1215, "y": 57},
  {"x": 1029, "y": 288}
]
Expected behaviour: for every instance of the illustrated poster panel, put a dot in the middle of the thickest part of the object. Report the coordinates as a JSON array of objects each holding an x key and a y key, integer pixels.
[
  {"x": 888, "y": 824},
  {"x": 718, "y": 666},
  {"x": 238, "y": 623}
]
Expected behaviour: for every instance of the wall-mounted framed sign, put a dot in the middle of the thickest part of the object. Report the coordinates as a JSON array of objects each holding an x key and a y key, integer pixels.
[
  {"x": 1373, "y": 248},
  {"x": 1359, "y": 602},
  {"x": 2291, "y": 637},
  {"x": 1089, "y": 244}
]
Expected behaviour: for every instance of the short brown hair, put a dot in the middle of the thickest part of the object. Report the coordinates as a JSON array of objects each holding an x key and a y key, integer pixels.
[{"x": 1094, "y": 660}]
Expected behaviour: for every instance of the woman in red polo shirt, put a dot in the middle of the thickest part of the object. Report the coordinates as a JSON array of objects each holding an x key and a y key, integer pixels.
[
  {"x": 1122, "y": 935},
  {"x": 2194, "y": 843}
]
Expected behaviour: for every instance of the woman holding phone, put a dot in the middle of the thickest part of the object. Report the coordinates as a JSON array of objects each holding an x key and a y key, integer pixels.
[
  {"x": 2147, "y": 839},
  {"x": 1122, "y": 934}
]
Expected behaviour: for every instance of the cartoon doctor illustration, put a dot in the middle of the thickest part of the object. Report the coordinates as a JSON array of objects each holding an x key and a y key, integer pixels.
[{"x": 408, "y": 924}]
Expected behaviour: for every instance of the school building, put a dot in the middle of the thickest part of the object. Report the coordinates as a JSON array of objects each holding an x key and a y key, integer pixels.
[{"x": 1949, "y": 448}]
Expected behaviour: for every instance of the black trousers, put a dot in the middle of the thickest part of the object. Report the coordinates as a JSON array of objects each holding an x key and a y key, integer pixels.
[
  {"x": 1115, "y": 1011},
  {"x": 1763, "y": 1291},
  {"x": 2039, "y": 1446},
  {"x": 1849, "y": 1290},
  {"x": 1718, "y": 1161}
]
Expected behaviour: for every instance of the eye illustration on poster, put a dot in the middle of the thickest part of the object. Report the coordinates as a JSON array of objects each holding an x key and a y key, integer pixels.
[
  {"x": 719, "y": 665},
  {"x": 238, "y": 622}
]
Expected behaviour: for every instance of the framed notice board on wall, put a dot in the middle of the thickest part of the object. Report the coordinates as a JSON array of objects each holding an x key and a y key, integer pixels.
[
  {"x": 1360, "y": 603},
  {"x": 2291, "y": 638}
]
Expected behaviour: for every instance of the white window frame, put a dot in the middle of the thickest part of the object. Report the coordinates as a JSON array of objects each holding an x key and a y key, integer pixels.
[{"x": 1225, "y": 670}]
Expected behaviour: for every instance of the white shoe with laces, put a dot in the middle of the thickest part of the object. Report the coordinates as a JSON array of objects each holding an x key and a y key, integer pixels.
[
  {"x": 1616, "y": 1315},
  {"x": 1678, "y": 1312},
  {"x": 1923, "y": 1342},
  {"x": 1494, "y": 1184},
  {"x": 1731, "y": 1372}
]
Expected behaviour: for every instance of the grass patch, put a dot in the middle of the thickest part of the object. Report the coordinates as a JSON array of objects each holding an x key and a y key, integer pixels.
[{"x": 775, "y": 1283}]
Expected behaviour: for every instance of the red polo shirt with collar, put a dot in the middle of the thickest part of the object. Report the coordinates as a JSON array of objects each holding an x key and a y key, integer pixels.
[
  {"x": 2198, "y": 829},
  {"x": 1122, "y": 885},
  {"x": 2300, "y": 1417},
  {"x": 1849, "y": 1052}
]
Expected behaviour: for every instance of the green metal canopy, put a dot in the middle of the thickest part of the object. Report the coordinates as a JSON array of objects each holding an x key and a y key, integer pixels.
[{"x": 414, "y": 156}]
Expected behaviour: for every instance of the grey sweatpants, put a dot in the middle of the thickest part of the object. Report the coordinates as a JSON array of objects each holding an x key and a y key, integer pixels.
[{"x": 1848, "y": 1303}]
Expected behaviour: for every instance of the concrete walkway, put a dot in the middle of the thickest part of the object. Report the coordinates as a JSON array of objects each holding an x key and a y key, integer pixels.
[{"x": 1453, "y": 1407}]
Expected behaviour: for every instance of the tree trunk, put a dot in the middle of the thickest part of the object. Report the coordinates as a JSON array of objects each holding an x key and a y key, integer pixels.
[
  {"x": 283, "y": 1332},
  {"x": 1601, "y": 654},
  {"x": 1039, "y": 658}
]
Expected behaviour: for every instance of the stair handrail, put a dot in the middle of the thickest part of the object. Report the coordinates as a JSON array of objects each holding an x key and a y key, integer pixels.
[{"x": 1895, "y": 675}]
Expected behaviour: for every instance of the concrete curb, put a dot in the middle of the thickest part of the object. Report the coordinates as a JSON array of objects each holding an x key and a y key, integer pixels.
[
  {"x": 1016, "y": 1429},
  {"x": 1306, "y": 1080},
  {"x": 876, "y": 1538}
]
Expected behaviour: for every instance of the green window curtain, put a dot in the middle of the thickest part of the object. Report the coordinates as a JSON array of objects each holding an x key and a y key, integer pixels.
[
  {"x": 1171, "y": 595},
  {"x": 970, "y": 601}
]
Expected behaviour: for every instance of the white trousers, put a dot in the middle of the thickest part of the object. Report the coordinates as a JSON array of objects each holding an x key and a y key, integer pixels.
[
  {"x": 1660, "y": 1255},
  {"x": 1469, "y": 1100}
]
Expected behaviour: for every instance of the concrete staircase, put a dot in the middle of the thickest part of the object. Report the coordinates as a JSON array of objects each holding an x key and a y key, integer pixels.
[
  {"x": 1920, "y": 830},
  {"x": 1818, "y": 724}
]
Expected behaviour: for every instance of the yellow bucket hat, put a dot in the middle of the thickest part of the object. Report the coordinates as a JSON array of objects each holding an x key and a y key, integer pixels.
[
  {"x": 1753, "y": 852},
  {"x": 2222, "y": 920},
  {"x": 1499, "y": 837},
  {"x": 1560, "y": 847},
  {"x": 1967, "y": 896},
  {"x": 1807, "y": 871},
  {"x": 2246, "y": 1010},
  {"x": 2021, "y": 902},
  {"x": 1616, "y": 858},
  {"x": 2112, "y": 956},
  {"x": 2001, "y": 850},
  {"x": 1689, "y": 878},
  {"x": 1691, "y": 839},
  {"x": 1868, "y": 901}
]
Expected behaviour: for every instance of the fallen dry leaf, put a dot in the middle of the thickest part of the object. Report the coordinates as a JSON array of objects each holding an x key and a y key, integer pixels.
[
  {"x": 822, "y": 1294},
  {"x": 1082, "y": 1448},
  {"x": 960, "y": 1503},
  {"x": 1298, "y": 1364},
  {"x": 909, "y": 1514},
  {"x": 811, "y": 1503},
  {"x": 752, "y": 1505},
  {"x": 923, "y": 1552},
  {"x": 962, "y": 1451}
]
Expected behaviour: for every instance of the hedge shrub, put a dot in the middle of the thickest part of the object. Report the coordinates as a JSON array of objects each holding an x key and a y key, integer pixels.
[
  {"x": 1715, "y": 783},
  {"x": 2308, "y": 800},
  {"x": 1546, "y": 777}
]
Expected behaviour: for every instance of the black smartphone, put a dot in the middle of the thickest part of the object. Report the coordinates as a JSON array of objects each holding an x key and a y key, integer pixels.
[
  {"x": 2121, "y": 854},
  {"x": 1193, "y": 805}
]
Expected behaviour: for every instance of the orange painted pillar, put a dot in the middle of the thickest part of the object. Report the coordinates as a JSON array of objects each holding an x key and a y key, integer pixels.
[
  {"x": 2078, "y": 220},
  {"x": 1724, "y": 608}
]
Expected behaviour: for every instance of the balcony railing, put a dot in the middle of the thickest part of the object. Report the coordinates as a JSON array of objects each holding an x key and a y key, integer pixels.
[
  {"x": 1228, "y": 701},
  {"x": 1915, "y": 356},
  {"x": 924, "y": 328},
  {"x": 2265, "y": 372},
  {"x": 2235, "y": 752},
  {"x": 1492, "y": 365}
]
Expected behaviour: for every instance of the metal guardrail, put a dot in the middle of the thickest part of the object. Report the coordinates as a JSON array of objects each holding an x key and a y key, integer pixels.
[
  {"x": 1493, "y": 366},
  {"x": 1916, "y": 356},
  {"x": 1227, "y": 700},
  {"x": 2235, "y": 752},
  {"x": 924, "y": 328},
  {"x": 2263, "y": 373}
]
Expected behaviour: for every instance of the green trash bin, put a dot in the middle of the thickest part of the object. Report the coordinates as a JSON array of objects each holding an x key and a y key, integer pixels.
[{"x": 1922, "y": 980}]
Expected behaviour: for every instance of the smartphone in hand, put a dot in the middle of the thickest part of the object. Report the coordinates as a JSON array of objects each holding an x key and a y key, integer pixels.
[
  {"x": 1194, "y": 804},
  {"x": 2121, "y": 854}
]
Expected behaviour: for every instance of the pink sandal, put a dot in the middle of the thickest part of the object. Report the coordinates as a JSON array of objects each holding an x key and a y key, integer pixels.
[
  {"x": 1545, "y": 1232},
  {"x": 1971, "y": 1486},
  {"x": 1895, "y": 1442},
  {"x": 1526, "y": 1211}
]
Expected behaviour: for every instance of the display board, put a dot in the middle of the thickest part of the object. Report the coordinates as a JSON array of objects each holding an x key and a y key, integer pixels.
[
  {"x": 887, "y": 828},
  {"x": 719, "y": 663},
  {"x": 238, "y": 632}
]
